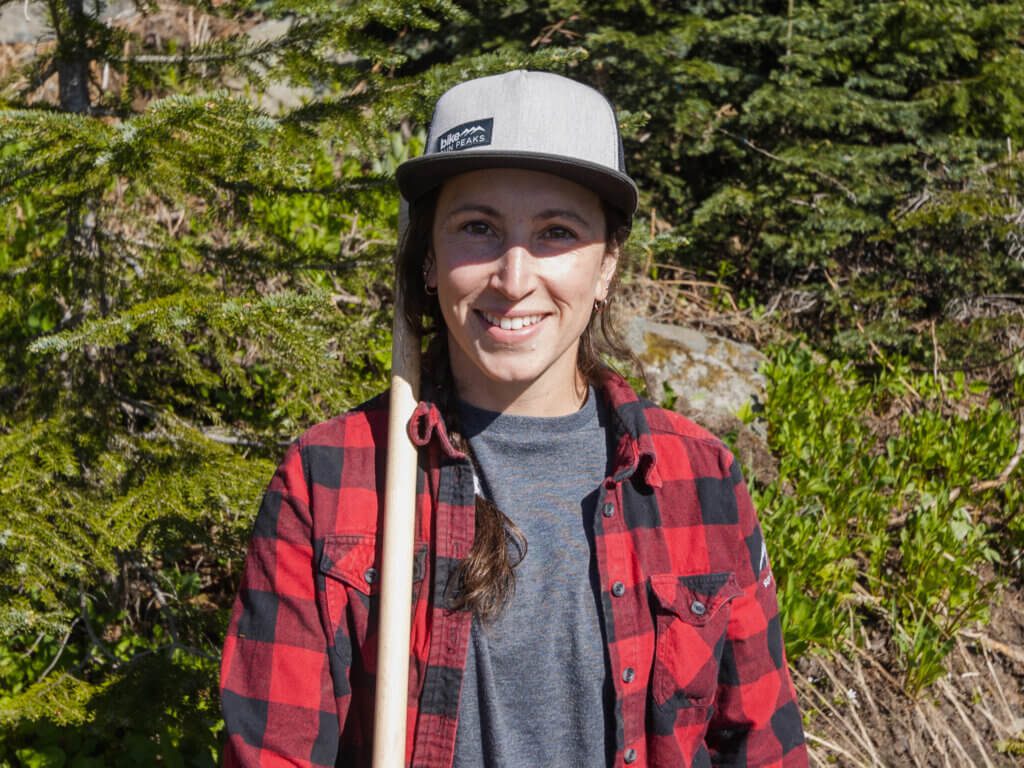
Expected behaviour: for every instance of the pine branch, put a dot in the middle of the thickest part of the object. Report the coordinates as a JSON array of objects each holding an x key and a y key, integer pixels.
[
  {"x": 831, "y": 180},
  {"x": 38, "y": 77},
  {"x": 214, "y": 52},
  {"x": 222, "y": 436}
]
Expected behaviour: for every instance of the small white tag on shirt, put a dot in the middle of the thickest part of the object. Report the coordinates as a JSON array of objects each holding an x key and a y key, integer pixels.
[{"x": 764, "y": 564}]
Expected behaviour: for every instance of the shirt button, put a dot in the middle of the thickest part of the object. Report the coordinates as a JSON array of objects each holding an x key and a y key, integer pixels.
[
  {"x": 618, "y": 589},
  {"x": 630, "y": 756},
  {"x": 608, "y": 510},
  {"x": 370, "y": 575},
  {"x": 698, "y": 608},
  {"x": 628, "y": 674}
]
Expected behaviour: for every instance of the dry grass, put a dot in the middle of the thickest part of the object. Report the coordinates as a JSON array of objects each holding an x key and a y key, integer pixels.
[
  {"x": 150, "y": 33},
  {"x": 859, "y": 716},
  {"x": 683, "y": 299}
]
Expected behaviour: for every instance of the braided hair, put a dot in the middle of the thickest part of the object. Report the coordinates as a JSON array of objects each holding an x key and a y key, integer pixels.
[{"x": 486, "y": 575}]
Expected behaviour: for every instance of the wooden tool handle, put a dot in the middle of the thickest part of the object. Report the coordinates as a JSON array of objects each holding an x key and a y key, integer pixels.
[{"x": 391, "y": 705}]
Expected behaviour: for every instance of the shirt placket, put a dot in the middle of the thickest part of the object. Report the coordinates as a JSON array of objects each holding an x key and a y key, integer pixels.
[
  {"x": 614, "y": 565},
  {"x": 434, "y": 738}
]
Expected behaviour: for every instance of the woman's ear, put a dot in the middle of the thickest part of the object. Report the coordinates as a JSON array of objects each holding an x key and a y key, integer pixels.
[
  {"x": 608, "y": 266},
  {"x": 430, "y": 271}
]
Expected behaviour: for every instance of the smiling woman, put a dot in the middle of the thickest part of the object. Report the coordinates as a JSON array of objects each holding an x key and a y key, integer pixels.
[{"x": 590, "y": 584}]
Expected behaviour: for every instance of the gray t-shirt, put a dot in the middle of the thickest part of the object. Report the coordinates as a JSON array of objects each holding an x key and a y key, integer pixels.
[{"x": 535, "y": 690}]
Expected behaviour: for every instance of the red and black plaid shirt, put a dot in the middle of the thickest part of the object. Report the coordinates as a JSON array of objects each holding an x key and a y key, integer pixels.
[{"x": 689, "y": 607}]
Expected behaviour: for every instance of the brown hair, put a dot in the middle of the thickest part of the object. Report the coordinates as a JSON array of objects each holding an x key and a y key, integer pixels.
[{"x": 486, "y": 574}]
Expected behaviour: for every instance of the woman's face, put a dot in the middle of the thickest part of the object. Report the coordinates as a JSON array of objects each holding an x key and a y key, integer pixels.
[{"x": 518, "y": 259}]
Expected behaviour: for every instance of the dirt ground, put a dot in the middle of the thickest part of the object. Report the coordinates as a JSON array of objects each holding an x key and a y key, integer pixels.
[{"x": 858, "y": 714}]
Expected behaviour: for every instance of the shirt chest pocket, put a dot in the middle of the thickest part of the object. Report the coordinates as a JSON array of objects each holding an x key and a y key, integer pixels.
[
  {"x": 692, "y": 615},
  {"x": 350, "y": 579}
]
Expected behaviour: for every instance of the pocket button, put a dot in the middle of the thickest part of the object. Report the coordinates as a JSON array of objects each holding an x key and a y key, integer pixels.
[
  {"x": 698, "y": 608},
  {"x": 370, "y": 575}
]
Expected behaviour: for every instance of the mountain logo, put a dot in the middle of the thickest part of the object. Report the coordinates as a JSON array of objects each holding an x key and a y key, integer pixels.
[{"x": 467, "y": 135}]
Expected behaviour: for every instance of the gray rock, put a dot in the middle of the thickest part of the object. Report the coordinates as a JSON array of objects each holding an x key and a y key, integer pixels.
[
  {"x": 20, "y": 23},
  {"x": 28, "y": 22},
  {"x": 713, "y": 374},
  {"x": 710, "y": 379}
]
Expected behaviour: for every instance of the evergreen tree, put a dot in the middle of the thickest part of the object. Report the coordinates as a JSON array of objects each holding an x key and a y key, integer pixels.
[
  {"x": 188, "y": 281},
  {"x": 860, "y": 160}
]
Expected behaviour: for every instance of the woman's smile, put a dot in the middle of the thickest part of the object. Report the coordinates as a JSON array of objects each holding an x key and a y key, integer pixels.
[{"x": 506, "y": 323}]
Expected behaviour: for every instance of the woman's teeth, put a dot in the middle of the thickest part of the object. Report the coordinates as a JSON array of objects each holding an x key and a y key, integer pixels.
[{"x": 512, "y": 323}]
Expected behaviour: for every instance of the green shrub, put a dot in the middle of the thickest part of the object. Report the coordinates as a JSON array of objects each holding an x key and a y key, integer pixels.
[{"x": 880, "y": 520}]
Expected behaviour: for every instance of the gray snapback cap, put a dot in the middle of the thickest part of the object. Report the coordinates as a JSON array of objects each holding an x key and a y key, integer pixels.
[{"x": 532, "y": 120}]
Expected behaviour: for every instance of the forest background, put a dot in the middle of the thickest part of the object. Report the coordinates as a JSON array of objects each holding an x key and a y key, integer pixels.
[{"x": 195, "y": 268}]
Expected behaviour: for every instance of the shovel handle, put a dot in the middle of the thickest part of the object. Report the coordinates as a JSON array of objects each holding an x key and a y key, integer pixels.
[{"x": 392, "y": 696}]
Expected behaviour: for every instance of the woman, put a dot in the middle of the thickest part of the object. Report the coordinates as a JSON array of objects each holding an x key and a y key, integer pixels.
[{"x": 591, "y": 586}]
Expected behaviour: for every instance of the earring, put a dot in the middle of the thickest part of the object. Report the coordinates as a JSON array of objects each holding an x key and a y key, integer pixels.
[
  {"x": 599, "y": 305},
  {"x": 428, "y": 266}
]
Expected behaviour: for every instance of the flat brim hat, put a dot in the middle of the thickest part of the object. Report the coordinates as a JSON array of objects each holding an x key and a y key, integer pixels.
[{"x": 531, "y": 120}]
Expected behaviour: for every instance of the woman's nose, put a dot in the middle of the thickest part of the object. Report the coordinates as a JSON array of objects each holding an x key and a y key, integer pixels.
[{"x": 514, "y": 274}]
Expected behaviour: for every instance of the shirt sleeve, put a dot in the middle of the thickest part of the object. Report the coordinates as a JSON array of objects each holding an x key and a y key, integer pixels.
[
  {"x": 278, "y": 697},
  {"x": 756, "y": 721}
]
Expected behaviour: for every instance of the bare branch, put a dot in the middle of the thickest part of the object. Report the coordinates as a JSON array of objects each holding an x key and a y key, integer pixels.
[
  {"x": 832, "y": 180},
  {"x": 60, "y": 651},
  {"x": 93, "y": 637},
  {"x": 1004, "y": 476}
]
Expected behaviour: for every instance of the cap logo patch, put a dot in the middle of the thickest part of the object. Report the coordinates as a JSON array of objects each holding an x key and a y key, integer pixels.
[{"x": 467, "y": 135}]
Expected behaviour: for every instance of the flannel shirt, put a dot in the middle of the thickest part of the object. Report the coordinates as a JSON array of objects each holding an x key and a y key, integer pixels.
[{"x": 694, "y": 647}]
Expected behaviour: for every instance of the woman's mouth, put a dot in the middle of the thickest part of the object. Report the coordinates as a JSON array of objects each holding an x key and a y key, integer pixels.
[{"x": 511, "y": 323}]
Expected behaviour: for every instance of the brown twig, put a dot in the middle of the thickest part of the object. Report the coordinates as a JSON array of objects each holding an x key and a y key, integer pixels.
[
  {"x": 825, "y": 707},
  {"x": 994, "y": 645},
  {"x": 972, "y": 729},
  {"x": 936, "y": 742},
  {"x": 833, "y": 181},
  {"x": 951, "y": 736},
  {"x": 864, "y": 734},
  {"x": 1004, "y": 476},
  {"x": 834, "y": 748},
  {"x": 978, "y": 696},
  {"x": 885, "y": 362},
  {"x": 998, "y": 685},
  {"x": 60, "y": 651}
]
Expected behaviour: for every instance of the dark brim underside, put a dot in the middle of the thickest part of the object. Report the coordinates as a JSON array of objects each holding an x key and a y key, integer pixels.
[{"x": 419, "y": 176}]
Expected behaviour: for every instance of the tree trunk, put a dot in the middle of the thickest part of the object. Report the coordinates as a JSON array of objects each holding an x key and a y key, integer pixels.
[{"x": 73, "y": 58}]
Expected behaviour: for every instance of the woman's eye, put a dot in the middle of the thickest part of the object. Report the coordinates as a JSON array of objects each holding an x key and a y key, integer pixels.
[
  {"x": 476, "y": 228},
  {"x": 559, "y": 233}
]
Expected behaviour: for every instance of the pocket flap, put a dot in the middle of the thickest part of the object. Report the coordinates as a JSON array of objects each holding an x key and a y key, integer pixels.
[
  {"x": 353, "y": 559},
  {"x": 695, "y": 599}
]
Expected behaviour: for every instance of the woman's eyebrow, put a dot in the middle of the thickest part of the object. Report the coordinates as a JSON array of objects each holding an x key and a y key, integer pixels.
[
  {"x": 547, "y": 213},
  {"x": 473, "y": 208},
  {"x": 556, "y": 213}
]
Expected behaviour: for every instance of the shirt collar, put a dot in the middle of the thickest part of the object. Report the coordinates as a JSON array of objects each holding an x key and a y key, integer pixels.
[
  {"x": 427, "y": 424},
  {"x": 634, "y": 446},
  {"x": 634, "y": 452}
]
